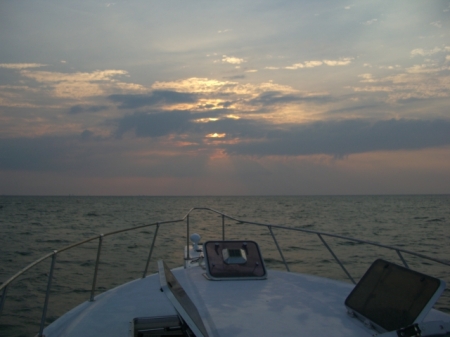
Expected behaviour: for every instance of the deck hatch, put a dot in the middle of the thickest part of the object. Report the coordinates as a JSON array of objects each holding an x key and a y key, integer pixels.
[
  {"x": 180, "y": 300},
  {"x": 157, "y": 326},
  {"x": 231, "y": 260},
  {"x": 391, "y": 297}
]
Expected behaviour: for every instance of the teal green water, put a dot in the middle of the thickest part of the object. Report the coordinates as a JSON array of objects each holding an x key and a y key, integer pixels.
[{"x": 34, "y": 226}]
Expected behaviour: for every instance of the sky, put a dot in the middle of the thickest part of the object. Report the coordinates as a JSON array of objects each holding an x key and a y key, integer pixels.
[{"x": 287, "y": 97}]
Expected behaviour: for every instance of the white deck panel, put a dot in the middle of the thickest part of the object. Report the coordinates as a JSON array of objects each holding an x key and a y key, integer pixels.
[
  {"x": 111, "y": 312},
  {"x": 286, "y": 304}
]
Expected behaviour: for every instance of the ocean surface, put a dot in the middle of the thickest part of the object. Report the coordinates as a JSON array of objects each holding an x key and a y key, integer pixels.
[{"x": 34, "y": 226}]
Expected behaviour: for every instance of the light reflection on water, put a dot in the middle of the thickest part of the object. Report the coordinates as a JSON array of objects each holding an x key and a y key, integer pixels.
[{"x": 34, "y": 226}]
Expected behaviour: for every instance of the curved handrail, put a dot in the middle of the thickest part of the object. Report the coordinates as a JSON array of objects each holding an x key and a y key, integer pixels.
[
  {"x": 31, "y": 265},
  {"x": 373, "y": 243},
  {"x": 320, "y": 234}
]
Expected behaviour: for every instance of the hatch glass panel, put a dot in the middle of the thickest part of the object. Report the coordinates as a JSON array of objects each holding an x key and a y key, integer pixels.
[
  {"x": 228, "y": 260},
  {"x": 392, "y": 297}
]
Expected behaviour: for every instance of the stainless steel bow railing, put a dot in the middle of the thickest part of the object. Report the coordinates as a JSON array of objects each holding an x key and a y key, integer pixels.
[{"x": 270, "y": 227}]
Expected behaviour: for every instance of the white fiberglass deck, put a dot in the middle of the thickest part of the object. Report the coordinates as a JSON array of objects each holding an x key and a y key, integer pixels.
[{"x": 286, "y": 304}]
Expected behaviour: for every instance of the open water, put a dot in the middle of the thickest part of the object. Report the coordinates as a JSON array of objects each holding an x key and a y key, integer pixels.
[{"x": 34, "y": 226}]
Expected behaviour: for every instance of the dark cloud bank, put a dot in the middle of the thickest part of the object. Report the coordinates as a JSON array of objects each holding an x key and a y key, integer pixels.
[
  {"x": 340, "y": 138},
  {"x": 77, "y": 109},
  {"x": 157, "y": 97},
  {"x": 336, "y": 138}
]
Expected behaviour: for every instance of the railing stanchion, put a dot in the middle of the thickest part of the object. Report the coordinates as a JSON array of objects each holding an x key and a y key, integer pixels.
[
  {"x": 223, "y": 227},
  {"x": 2, "y": 302},
  {"x": 337, "y": 259},
  {"x": 187, "y": 238},
  {"x": 47, "y": 294},
  {"x": 4, "y": 287},
  {"x": 278, "y": 247},
  {"x": 401, "y": 258},
  {"x": 94, "y": 281},
  {"x": 151, "y": 251}
]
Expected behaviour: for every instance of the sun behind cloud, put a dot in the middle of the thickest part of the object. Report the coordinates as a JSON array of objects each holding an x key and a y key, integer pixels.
[{"x": 216, "y": 135}]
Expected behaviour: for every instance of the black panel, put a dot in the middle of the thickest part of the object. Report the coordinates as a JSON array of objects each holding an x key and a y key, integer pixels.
[
  {"x": 392, "y": 296},
  {"x": 217, "y": 265}
]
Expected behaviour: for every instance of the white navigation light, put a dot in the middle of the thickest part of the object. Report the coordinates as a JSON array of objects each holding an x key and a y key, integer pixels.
[{"x": 195, "y": 239}]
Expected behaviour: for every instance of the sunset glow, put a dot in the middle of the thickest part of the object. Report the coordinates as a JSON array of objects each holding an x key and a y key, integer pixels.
[
  {"x": 216, "y": 135},
  {"x": 330, "y": 98}
]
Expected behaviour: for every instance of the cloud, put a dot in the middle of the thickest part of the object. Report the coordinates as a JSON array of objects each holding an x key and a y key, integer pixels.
[
  {"x": 154, "y": 124},
  {"x": 340, "y": 138},
  {"x": 371, "y": 22},
  {"x": 341, "y": 62},
  {"x": 190, "y": 126},
  {"x": 155, "y": 98},
  {"x": 49, "y": 76},
  {"x": 269, "y": 98},
  {"x": 200, "y": 95},
  {"x": 216, "y": 135},
  {"x": 195, "y": 85},
  {"x": 35, "y": 154},
  {"x": 307, "y": 64},
  {"x": 80, "y": 84},
  {"x": 425, "y": 52},
  {"x": 422, "y": 81},
  {"x": 260, "y": 137},
  {"x": 76, "y": 109},
  {"x": 317, "y": 63},
  {"x": 148, "y": 156},
  {"x": 436, "y": 24},
  {"x": 21, "y": 65},
  {"x": 94, "y": 158},
  {"x": 232, "y": 60},
  {"x": 235, "y": 77},
  {"x": 205, "y": 120},
  {"x": 206, "y": 86}
]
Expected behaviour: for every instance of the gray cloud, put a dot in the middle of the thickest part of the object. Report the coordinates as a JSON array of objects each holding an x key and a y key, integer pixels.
[
  {"x": 274, "y": 97},
  {"x": 236, "y": 128},
  {"x": 158, "y": 124},
  {"x": 340, "y": 138},
  {"x": 337, "y": 138},
  {"x": 76, "y": 109},
  {"x": 157, "y": 97},
  {"x": 34, "y": 154},
  {"x": 235, "y": 77},
  {"x": 87, "y": 154},
  {"x": 154, "y": 124}
]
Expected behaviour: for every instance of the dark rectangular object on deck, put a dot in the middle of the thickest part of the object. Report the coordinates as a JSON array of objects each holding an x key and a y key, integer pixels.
[
  {"x": 157, "y": 326},
  {"x": 391, "y": 297},
  {"x": 234, "y": 260}
]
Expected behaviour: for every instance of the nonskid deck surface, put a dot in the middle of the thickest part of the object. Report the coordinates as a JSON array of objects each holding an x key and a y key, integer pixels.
[
  {"x": 112, "y": 311},
  {"x": 285, "y": 304}
]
